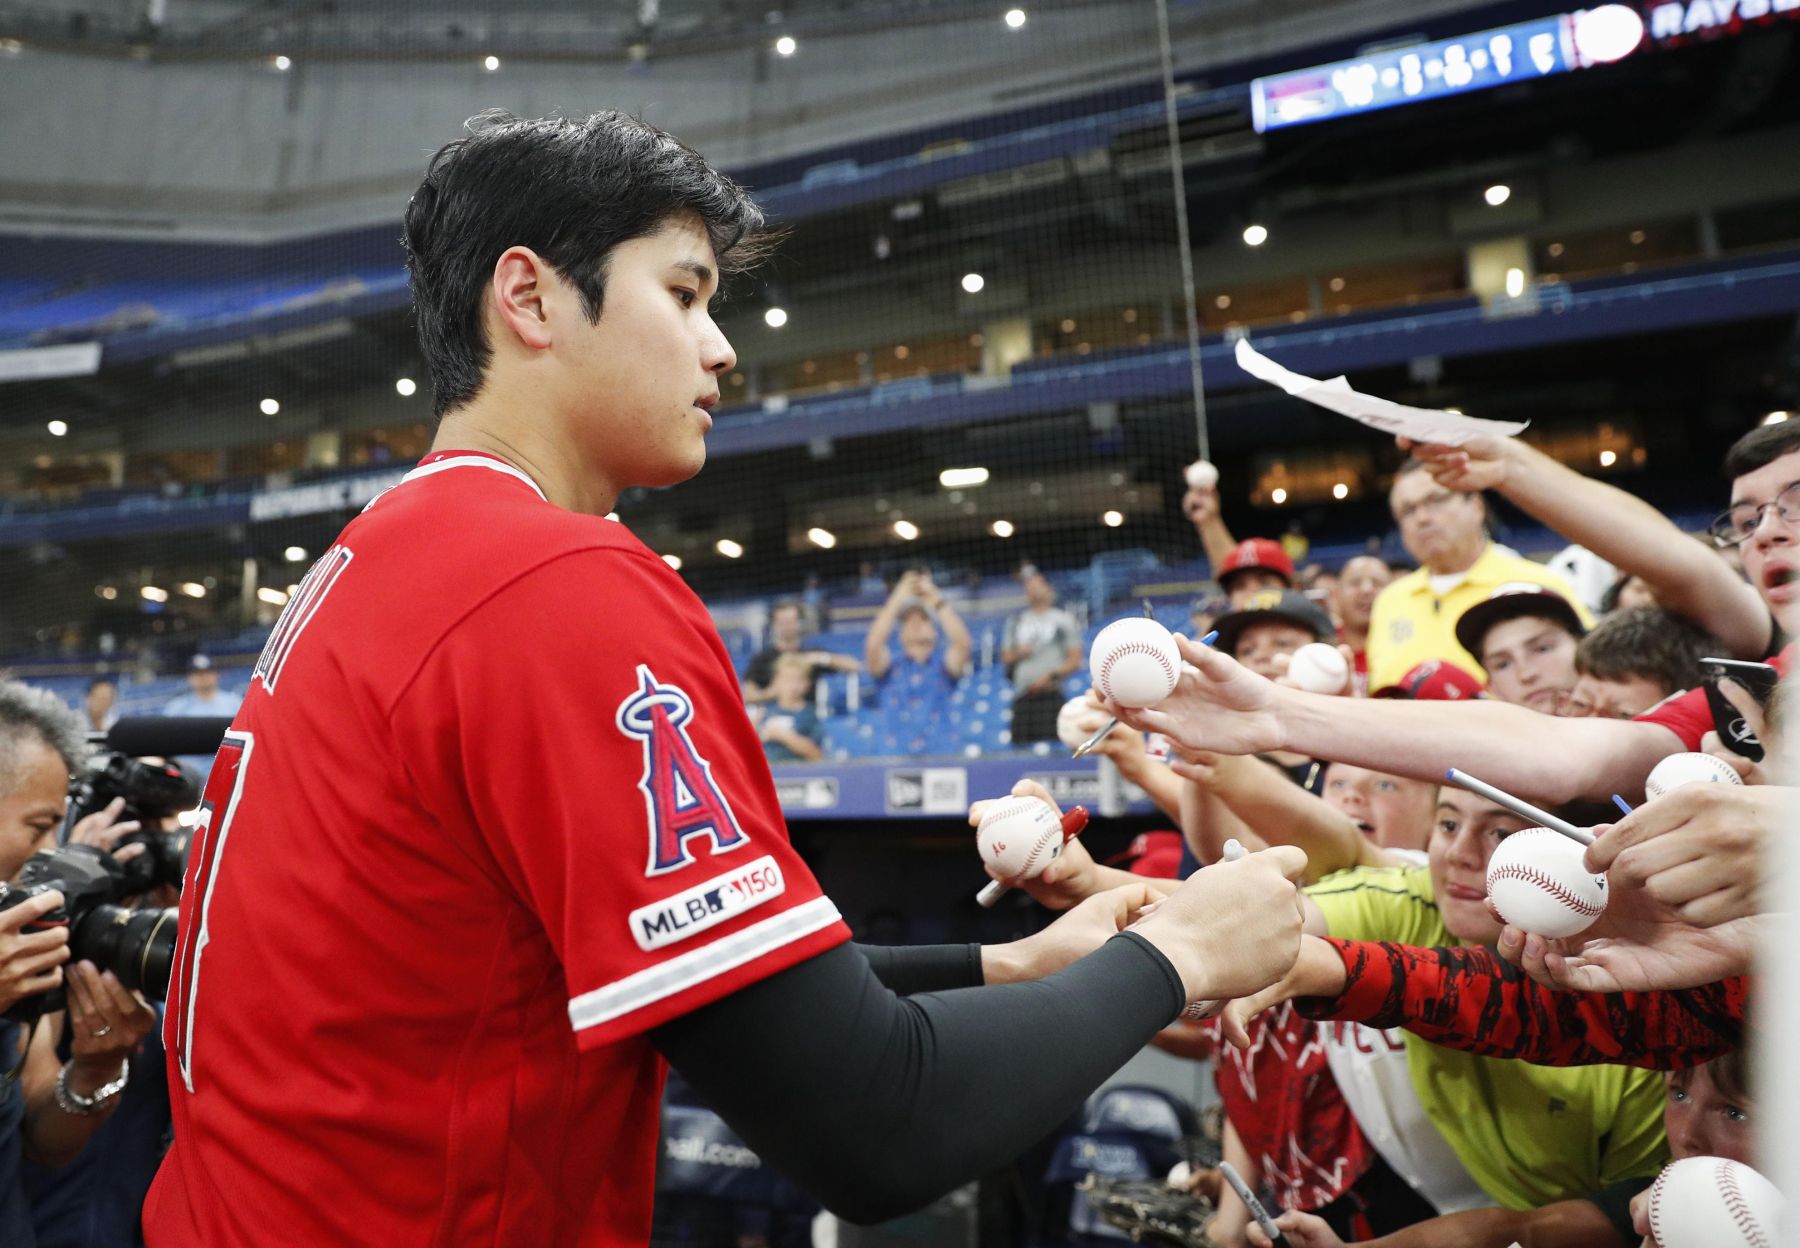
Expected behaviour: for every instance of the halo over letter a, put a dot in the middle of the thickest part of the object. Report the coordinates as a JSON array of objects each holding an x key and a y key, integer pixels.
[{"x": 679, "y": 794}]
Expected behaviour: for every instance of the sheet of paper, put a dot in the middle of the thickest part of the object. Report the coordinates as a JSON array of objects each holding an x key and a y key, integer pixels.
[{"x": 1421, "y": 424}]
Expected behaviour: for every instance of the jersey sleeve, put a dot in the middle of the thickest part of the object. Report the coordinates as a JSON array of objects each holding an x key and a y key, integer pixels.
[
  {"x": 1474, "y": 1000},
  {"x": 584, "y": 731}
]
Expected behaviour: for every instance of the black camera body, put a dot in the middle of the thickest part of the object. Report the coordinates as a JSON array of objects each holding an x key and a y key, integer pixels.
[
  {"x": 152, "y": 792},
  {"x": 138, "y": 946}
]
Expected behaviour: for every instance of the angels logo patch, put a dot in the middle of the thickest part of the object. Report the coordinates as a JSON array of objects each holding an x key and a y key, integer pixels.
[{"x": 679, "y": 794}]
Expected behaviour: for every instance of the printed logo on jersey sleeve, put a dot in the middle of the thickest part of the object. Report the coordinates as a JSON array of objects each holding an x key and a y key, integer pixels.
[
  {"x": 693, "y": 910},
  {"x": 680, "y": 797}
]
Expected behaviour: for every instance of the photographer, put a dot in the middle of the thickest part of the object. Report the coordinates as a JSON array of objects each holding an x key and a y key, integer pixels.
[{"x": 49, "y": 1113}]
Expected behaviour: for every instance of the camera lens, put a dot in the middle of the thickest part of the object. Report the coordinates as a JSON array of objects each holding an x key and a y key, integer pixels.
[{"x": 136, "y": 945}]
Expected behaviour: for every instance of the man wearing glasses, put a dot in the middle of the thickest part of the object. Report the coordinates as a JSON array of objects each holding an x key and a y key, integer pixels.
[{"x": 1414, "y": 619}]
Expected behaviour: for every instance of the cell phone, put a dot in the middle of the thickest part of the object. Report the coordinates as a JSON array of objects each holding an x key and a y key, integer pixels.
[{"x": 1759, "y": 681}]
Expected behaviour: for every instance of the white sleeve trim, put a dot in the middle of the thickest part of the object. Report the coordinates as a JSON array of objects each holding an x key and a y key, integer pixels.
[{"x": 696, "y": 966}]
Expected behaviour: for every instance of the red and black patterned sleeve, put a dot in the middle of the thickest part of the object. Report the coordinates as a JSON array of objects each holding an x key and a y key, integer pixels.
[{"x": 1474, "y": 1000}]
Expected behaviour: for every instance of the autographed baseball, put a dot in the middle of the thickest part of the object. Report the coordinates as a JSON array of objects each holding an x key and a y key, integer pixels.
[
  {"x": 1135, "y": 662},
  {"x": 1536, "y": 881},
  {"x": 1319, "y": 668},
  {"x": 1019, "y": 837},
  {"x": 1713, "y": 1202},
  {"x": 1202, "y": 475},
  {"x": 1679, "y": 770},
  {"x": 1068, "y": 721}
]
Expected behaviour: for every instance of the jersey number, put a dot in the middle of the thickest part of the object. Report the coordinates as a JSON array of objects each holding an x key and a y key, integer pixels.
[{"x": 224, "y": 789}]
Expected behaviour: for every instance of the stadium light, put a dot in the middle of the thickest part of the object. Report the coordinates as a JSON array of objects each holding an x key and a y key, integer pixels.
[
  {"x": 1001, "y": 528},
  {"x": 1608, "y": 458},
  {"x": 775, "y": 318},
  {"x": 824, "y": 539},
  {"x": 1340, "y": 491},
  {"x": 1775, "y": 418},
  {"x": 973, "y": 282},
  {"x": 1015, "y": 18},
  {"x": 1278, "y": 496},
  {"x": 905, "y": 530},
  {"x": 785, "y": 46},
  {"x": 107, "y": 592},
  {"x": 274, "y": 597},
  {"x": 674, "y": 561},
  {"x": 193, "y": 589},
  {"x": 269, "y": 406},
  {"x": 58, "y": 428},
  {"x": 1515, "y": 283},
  {"x": 1497, "y": 194},
  {"x": 1256, "y": 235},
  {"x": 730, "y": 549},
  {"x": 962, "y": 478},
  {"x": 1112, "y": 519},
  {"x": 406, "y": 387},
  {"x": 490, "y": 63},
  {"x": 283, "y": 64},
  {"x": 294, "y": 554},
  {"x": 153, "y": 593}
]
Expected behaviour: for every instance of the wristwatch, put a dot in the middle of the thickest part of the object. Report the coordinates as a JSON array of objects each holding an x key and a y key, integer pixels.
[{"x": 72, "y": 1102}]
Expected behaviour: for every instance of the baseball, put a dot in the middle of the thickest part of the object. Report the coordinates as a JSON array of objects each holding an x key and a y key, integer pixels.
[
  {"x": 1068, "y": 721},
  {"x": 1536, "y": 881},
  {"x": 1319, "y": 668},
  {"x": 1679, "y": 770},
  {"x": 1201, "y": 475},
  {"x": 1712, "y": 1202},
  {"x": 1135, "y": 662},
  {"x": 1019, "y": 837}
]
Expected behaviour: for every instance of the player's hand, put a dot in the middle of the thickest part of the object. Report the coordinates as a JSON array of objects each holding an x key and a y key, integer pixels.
[
  {"x": 31, "y": 962},
  {"x": 1698, "y": 851},
  {"x": 104, "y": 828},
  {"x": 107, "y": 1022},
  {"x": 1218, "y": 704},
  {"x": 1302, "y": 1230},
  {"x": 1234, "y": 928},
  {"x": 1317, "y": 972},
  {"x": 1078, "y": 933},
  {"x": 1481, "y": 463}
]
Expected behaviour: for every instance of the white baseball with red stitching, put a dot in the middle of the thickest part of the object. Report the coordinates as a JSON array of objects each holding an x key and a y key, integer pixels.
[
  {"x": 1019, "y": 837},
  {"x": 1713, "y": 1202},
  {"x": 1068, "y": 721},
  {"x": 1536, "y": 880},
  {"x": 1135, "y": 662},
  {"x": 1201, "y": 475},
  {"x": 1319, "y": 668},
  {"x": 1677, "y": 771}
]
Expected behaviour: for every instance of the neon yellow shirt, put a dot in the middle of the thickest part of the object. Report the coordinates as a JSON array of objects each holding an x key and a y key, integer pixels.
[
  {"x": 1410, "y": 623},
  {"x": 1529, "y": 1135}
]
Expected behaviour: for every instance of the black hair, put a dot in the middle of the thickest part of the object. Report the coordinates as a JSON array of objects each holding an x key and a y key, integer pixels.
[
  {"x": 102, "y": 679},
  {"x": 1761, "y": 447},
  {"x": 570, "y": 190},
  {"x": 1645, "y": 642}
]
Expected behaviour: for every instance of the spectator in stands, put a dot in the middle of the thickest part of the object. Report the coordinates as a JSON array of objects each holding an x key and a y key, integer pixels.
[
  {"x": 915, "y": 684},
  {"x": 1254, "y": 565},
  {"x": 1445, "y": 529},
  {"x": 790, "y": 727},
  {"x": 1042, "y": 645},
  {"x": 204, "y": 696},
  {"x": 1359, "y": 582},
  {"x": 1634, "y": 658},
  {"x": 785, "y": 624},
  {"x": 98, "y": 706},
  {"x": 1627, "y": 592},
  {"x": 1525, "y": 636},
  {"x": 1266, "y": 627}
]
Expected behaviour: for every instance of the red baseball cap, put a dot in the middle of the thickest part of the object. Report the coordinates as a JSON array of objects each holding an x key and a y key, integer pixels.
[
  {"x": 1156, "y": 855},
  {"x": 1257, "y": 553},
  {"x": 1434, "y": 681}
]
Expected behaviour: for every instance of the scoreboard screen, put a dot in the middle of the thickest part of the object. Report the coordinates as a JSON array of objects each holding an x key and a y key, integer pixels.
[{"x": 1425, "y": 71}]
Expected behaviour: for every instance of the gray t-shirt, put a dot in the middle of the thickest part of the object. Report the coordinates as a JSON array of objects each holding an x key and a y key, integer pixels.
[{"x": 1046, "y": 637}]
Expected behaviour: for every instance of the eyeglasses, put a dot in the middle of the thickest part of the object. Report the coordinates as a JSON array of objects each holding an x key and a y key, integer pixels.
[
  {"x": 1734, "y": 525},
  {"x": 1430, "y": 502}
]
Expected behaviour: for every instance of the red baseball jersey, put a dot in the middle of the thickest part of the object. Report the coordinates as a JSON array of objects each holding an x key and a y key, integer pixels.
[{"x": 491, "y": 811}]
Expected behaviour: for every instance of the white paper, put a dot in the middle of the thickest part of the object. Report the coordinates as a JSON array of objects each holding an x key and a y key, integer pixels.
[{"x": 1421, "y": 424}]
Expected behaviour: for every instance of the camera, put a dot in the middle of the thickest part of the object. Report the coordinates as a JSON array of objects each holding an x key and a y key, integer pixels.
[
  {"x": 135, "y": 945},
  {"x": 152, "y": 792}
]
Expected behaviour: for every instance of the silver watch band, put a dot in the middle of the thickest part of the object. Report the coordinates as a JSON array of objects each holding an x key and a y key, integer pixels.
[{"x": 72, "y": 1102}]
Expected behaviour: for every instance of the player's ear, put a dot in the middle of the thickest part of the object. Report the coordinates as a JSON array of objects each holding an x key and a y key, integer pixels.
[{"x": 517, "y": 298}]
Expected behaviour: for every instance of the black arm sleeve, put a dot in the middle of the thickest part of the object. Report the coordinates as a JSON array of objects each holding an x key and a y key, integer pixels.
[
  {"x": 877, "y": 1103},
  {"x": 925, "y": 968}
]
